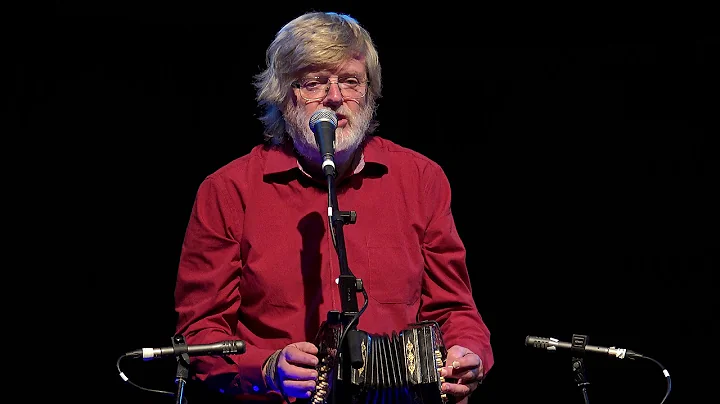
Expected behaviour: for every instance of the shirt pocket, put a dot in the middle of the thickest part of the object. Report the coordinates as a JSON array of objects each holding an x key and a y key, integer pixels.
[{"x": 395, "y": 268}]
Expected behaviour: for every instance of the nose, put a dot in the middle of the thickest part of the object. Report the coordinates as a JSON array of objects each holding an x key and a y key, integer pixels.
[{"x": 333, "y": 96}]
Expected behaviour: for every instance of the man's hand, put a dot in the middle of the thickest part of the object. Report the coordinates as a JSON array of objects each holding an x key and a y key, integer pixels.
[
  {"x": 463, "y": 371},
  {"x": 296, "y": 375}
]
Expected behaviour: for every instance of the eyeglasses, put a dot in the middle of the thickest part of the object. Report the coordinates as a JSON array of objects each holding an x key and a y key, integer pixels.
[{"x": 316, "y": 88}]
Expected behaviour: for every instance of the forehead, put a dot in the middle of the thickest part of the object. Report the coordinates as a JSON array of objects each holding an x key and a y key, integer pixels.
[{"x": 354, "y": 66}]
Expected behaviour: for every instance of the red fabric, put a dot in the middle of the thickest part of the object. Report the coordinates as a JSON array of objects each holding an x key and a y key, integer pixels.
[{"x": 258, "y": 262}]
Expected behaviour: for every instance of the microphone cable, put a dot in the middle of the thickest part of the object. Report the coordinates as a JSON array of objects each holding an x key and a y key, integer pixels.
[
  {"x": 128, "y": 381},
  {"x": 664, "y": 371}
]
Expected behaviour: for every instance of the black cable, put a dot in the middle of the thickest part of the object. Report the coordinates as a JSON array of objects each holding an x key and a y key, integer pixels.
[
  {"x": 349, "y": 325},
  {"x": 127, "y": 380},
  {"x": 355, "y": 317},
  {"x": 665, "y": 372}
]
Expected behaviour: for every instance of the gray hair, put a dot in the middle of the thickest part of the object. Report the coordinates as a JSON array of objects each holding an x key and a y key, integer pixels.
[{"x": 313, "y": 40}]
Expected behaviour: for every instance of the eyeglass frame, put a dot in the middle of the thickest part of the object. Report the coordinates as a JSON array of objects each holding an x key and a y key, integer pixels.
[{"x": 298, "y": 85}]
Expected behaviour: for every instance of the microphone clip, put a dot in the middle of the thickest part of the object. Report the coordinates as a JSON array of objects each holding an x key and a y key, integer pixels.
[
  {"x": 178, "y": 341},
  {"x": 578, "y": 344},
  {"x": 577, "y": 347},
  {"x": 344, "y": 216},
  {"x": 182, "y": 372}
]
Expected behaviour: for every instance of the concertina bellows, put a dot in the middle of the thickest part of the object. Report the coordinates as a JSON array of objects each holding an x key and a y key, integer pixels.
[{"x": 401, "y": 368}]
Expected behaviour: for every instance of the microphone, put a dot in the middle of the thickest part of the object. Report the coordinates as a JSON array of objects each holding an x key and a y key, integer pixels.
[
  {"x": 551, "y": 344},
  {"x": 229, "y": 347},
  {"x": 323, "y": 123}
]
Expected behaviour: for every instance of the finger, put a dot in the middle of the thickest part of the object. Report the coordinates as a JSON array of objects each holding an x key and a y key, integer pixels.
[
  {"x": 458, "y": 376},
  {"x": 298, "y": 388},
  {"x": 469, "y": 361},
  {"x": 306, "y": 347},
  {"x": 292, "y": 372},
  {"x": 296, "y": 356},
  {"x": 458, "y": 390},
  {"x": 462, "y": 375},
  {"x": 457, "y": 351}
]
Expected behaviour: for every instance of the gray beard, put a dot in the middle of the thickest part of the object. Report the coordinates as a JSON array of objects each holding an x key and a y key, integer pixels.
[{"x": 347, "y": 139}]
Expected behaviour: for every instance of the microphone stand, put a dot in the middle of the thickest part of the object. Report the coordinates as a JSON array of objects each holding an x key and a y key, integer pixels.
[
  {"x": 183, "y": 369},
  {"x": 578, "y": 364},
  {"x": 349, "y": 351}
]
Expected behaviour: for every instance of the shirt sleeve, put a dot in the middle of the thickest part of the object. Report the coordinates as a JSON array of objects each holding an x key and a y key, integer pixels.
[
  {"x": 206, "y": 292},
  {"x": 447, "y": 295}
]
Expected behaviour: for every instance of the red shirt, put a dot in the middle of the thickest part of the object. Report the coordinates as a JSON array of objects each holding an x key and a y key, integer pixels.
[{"x": 258, "y": 262}]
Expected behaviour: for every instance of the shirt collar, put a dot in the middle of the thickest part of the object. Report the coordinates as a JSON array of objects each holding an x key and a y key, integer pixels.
[
  {"x": 282, "y": 159},
  {"x": 374, "y": 152}
]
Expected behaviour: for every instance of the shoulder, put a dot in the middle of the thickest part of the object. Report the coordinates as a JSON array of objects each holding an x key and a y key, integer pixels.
[
  {"x": 237, "y": 175},
  {"x": 254, "y": 159},
  {"x": 397, "y": 156}
]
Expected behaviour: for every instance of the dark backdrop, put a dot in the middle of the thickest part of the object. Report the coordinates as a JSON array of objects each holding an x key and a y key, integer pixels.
[{"x": 575, "y": 142}]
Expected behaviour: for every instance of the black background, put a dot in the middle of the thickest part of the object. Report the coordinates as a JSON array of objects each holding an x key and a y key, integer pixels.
[{"x": 576, "y": 143}]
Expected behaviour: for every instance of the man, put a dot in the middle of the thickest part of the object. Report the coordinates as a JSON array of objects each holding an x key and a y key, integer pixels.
[{"x": 258, "y": 262}]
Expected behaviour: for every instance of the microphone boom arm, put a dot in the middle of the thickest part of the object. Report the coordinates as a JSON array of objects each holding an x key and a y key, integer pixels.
[{"x": 579, "y": 346}]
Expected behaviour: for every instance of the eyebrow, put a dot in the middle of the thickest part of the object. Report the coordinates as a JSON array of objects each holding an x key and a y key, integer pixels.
[{"x": 325, "y": 74}]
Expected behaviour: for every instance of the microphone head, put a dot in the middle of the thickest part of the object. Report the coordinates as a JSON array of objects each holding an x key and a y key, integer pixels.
[{"x": 323, "y": 115}]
